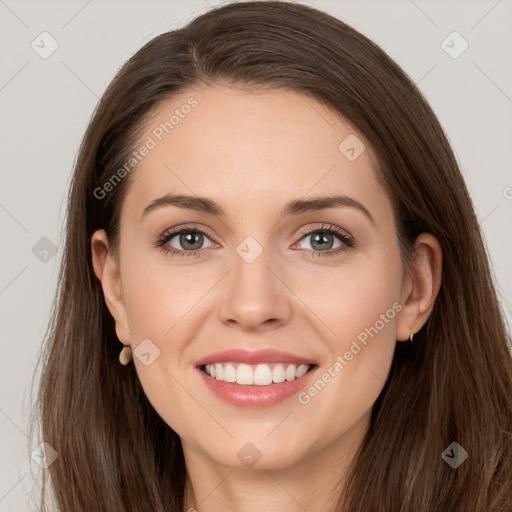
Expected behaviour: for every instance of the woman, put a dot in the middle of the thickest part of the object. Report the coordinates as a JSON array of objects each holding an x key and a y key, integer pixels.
[{"x": 331, "y": 340}]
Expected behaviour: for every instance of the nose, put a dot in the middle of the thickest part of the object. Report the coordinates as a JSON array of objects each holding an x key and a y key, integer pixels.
[{"x": 255, "y": 297}]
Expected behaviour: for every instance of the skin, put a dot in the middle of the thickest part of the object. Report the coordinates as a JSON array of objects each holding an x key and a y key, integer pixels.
[{"x": 252, "y": 152}]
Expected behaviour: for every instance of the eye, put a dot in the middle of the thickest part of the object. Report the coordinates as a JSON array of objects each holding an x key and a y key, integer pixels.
[
  {"x": 189, "y": 241},
  {"x": 322, "y": 243}
]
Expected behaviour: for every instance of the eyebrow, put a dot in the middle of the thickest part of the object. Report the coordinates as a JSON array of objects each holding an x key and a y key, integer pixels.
[{"x": 295, "y": 207}]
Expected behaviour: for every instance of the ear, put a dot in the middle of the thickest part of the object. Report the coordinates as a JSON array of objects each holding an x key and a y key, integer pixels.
[
  {"x": 420, "y": 287},
  {"x": 106, "y": 269}
]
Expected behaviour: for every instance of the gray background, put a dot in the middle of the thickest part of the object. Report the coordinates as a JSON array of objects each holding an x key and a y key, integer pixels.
[{"x": 45, "y": 105}]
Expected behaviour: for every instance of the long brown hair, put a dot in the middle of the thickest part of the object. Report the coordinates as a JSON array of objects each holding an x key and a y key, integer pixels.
[{"x": 115, "y": 452}]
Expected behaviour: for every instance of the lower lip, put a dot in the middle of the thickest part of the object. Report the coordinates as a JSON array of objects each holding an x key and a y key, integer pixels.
[{"x": 256, "y": 396}]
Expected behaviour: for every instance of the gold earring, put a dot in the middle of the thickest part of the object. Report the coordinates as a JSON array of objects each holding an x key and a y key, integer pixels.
[
  {"x": 410, "y": 337},
  {"x": 125, "y": 356}
]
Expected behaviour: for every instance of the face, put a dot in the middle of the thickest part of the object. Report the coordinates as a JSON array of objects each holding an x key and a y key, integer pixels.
[{"x": 322, "y": 283}]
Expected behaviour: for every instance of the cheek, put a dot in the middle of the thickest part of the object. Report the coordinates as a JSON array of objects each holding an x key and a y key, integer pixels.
[
  {"x": 366, "y": 312},
  {"x": 354, "y": 300},
  {"x": 157, "y": 296},
  {"x": 359, "y": 308},
  {"x": 149, "y": 303}
]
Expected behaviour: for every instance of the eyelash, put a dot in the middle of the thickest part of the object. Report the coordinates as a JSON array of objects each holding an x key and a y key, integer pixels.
[{"x": 324, "y": 228}]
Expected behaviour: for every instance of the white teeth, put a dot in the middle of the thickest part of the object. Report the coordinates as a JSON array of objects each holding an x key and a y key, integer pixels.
[
  {"x": 229, "y": 373},
  {"x": 278, "y": 373},
  {"x": 219, "y": 371},
  {"x": 260, "y": 374},
  {"x": 244, "y": 374},
  {"x": 301, "y": 370},
  {"x": 290, "y": 372}
]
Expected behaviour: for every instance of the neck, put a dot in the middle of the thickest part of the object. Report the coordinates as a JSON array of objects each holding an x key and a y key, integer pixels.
[{"x": 312, "y": 483}]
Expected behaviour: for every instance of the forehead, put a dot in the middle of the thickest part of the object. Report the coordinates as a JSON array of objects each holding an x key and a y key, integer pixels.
[{"x": 251, "y": 151}]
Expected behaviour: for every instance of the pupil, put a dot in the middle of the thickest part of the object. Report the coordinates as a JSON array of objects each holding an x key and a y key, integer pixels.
[
  {"x": 189, "y": 238},
  {"x": 321, "y": 239}
]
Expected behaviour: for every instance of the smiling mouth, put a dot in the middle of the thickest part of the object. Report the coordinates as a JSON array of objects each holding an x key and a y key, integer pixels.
[{"x": 264, "y": 374}]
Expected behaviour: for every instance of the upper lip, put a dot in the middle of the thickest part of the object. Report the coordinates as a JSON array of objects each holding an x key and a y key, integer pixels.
[{"x": 253, "y": 357}]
